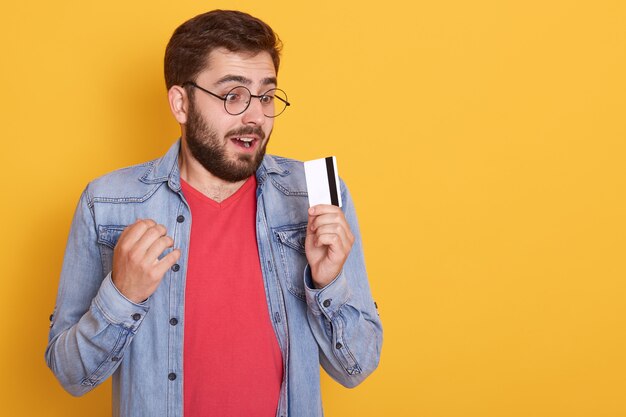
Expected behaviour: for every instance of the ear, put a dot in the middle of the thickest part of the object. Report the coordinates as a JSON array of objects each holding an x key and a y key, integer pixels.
[{"x": 178, "y": 99}]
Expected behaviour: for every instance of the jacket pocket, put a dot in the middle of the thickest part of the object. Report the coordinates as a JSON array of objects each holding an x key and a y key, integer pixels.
[
  {"x": 292, "y": 257},
  {"x": 107, "y": 239}
]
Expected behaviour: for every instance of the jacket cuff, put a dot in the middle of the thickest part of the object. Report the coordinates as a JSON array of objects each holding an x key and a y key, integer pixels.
[
  {"x": 118, "y": 309},
  {"x": 327, "y": 300}
]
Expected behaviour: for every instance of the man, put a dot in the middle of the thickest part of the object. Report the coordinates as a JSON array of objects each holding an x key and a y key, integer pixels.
[{"x": 232, "y": 313}]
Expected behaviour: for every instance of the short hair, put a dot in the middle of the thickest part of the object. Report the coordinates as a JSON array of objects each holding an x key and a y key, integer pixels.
[{"x": 187, "y": 52}]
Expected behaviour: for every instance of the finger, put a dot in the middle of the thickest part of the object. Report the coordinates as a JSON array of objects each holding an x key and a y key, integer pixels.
[
  {"x": 151, "y": 235},
  {"x": 131, "y": 234},
  {"x": 328, "y": 218},
  {"x": 167, "y": 262},
  {"x": 158, "y": 246},
  {"x": 338, "y": 229},
  {"x": 333, "y": 242},
  {"x": 323, "y": 209}
]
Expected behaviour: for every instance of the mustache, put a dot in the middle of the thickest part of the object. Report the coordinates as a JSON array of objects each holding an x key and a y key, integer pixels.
[{"x": 246, "y": 130}]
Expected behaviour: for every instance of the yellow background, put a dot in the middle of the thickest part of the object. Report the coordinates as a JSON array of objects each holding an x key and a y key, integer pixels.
[{"x": 484, "y": 143}]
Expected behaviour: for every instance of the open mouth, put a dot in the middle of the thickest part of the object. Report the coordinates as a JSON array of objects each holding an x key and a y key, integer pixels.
[{"x": 244, "y": 142}]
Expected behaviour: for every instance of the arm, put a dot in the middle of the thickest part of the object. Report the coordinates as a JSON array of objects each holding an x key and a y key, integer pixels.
[
  {"x": 341, "y": 313},
  {"x": 93, "y": 323}
]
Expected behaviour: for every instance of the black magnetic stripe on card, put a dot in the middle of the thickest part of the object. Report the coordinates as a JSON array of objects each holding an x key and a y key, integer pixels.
[{"x": 332, "y": 185}]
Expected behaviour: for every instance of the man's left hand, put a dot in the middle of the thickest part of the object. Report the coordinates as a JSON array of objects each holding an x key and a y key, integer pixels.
[{"x": 328, "y": 243}]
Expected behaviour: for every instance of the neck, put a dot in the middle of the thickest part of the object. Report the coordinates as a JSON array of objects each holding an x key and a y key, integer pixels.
[{"x": 202, "y": 180}]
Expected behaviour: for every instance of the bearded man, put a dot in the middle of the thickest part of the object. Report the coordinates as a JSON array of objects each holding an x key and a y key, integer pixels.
[{"x": 230, "y": 314}]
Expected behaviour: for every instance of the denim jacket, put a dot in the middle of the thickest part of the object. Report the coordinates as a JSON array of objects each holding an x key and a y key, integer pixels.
[{"x": 95, "y": 332}]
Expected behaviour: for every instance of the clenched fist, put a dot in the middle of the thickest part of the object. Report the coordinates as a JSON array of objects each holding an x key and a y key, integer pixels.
[{"x": 137, "y": 269}]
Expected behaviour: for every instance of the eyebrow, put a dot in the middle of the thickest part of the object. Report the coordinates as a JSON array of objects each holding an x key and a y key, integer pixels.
[
  {"x": 236, "y": 78},
  {"x": 269, "y": 81},
  {"x": 245, "y": 81}
]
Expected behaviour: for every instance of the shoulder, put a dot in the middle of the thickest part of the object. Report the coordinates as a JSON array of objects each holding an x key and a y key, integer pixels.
[
  {"x": 124, "y": 183},
  {"x": 285, "y": 174},
  {"x": 275, "y": 163},
  {"x": 281, "y": 167}
]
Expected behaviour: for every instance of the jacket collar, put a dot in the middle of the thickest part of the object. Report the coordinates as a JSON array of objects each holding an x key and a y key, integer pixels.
[{"x": 164, "y": 169}]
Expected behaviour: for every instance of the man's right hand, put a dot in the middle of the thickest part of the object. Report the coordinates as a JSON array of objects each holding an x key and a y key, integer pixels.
[{"x": 137, "y": 269}]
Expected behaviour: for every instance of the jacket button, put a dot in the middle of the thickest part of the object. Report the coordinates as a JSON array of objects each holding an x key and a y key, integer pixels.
[
  {"x": 171, "y": 376},
  {"x": 136, "y": 316},
  {"x": 175, "y": 267},
  {"x": 173, "y": 321},
  {"x": 326, "y": 303},
  {"x": 338, "y": 345},
  {"x": 180, "y": 218}
]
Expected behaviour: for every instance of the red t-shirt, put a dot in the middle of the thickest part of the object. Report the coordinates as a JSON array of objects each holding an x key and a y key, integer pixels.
[{"x": 232, "y": 362}]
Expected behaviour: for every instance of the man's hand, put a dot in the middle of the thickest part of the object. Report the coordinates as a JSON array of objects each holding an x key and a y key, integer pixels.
[
  {"x": 137, "y": 270},
  {"x": 328, "y": 243}
]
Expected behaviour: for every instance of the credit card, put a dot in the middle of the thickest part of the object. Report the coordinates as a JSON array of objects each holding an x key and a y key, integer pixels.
[{"x": 322, "y": 181}]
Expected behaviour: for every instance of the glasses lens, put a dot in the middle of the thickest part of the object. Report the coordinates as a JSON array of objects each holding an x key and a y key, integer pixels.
[
  {"x": 274, "y": 102},
  {"x": 236, "y": 101}
]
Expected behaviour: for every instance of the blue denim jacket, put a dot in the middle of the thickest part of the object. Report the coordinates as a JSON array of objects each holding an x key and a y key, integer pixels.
[{"x": 95, "y": 332}]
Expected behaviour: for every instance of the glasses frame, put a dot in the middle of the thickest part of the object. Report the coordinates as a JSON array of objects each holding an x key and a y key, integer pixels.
[{"x": 287, "y": 104}]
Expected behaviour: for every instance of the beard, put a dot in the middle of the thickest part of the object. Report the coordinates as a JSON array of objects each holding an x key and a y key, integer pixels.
[{"x": 210, "y": 150}]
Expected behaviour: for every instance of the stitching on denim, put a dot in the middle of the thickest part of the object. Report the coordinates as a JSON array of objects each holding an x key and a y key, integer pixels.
[
  {"x": 97, "y": 374},
  {"x": 122, "y": 200},
  {"x": 286, "y": 191},
  {"x": 281, "y": 235}
]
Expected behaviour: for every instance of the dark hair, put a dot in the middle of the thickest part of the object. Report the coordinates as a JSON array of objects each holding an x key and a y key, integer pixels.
[{"x": 189, "y": 47}]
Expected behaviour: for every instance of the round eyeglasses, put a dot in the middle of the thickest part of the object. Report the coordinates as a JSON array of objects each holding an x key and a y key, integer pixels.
[{"x": 237, "y": 100}]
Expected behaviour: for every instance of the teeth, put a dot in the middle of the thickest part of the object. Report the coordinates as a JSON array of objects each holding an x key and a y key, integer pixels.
[{"x": 247, "y": 142}]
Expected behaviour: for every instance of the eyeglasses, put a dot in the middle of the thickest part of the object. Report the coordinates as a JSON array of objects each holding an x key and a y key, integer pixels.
[{"x": 237, "y": 100}]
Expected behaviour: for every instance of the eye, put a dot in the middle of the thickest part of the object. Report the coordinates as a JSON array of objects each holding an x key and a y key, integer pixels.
[
  {"x": 266, "y": 99},
  {"x": 232, "y": 97}
]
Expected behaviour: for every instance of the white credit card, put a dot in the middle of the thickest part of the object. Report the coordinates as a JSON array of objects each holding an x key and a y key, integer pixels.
[{"x": 322, "y": 181}]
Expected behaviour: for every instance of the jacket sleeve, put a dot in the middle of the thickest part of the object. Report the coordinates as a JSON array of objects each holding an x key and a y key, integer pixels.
[
  {"x": 343, "y": 315},
  {"x": 93, "y": 323}
]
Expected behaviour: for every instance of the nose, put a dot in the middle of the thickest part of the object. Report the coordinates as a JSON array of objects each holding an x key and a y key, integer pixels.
[{"x": 254, "y": 113}]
